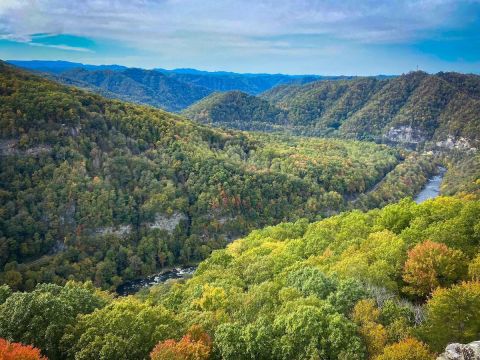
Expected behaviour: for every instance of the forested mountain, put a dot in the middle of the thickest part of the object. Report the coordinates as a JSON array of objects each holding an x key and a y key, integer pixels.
[
  {"x": 95, "y": 192},
  {"x": 411, "y": 109},
  {"x": 238, "y": 110},
  {"x": 140, "y": 86},
  {"x": 110, "y": 191}
]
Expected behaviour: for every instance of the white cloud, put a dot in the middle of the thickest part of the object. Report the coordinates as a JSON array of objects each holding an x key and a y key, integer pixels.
[
  {"x": 61, "y": 47},
  {"x": 157, "y": 21},
  {"x": 212, "y": 33}
]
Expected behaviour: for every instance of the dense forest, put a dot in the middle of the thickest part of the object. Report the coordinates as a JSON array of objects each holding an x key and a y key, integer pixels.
[
  {"x": 93, "y": 189},
  {"x": 139, "y": 86},
  {"x": 411, "y": 109},
  {"x": 391, "y": 284},
  {"x": 237, "y": 110},
  {"x": 307, "y": 248}
]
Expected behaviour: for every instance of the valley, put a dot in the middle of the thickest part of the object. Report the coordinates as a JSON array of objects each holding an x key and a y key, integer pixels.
[
  {"x": 239, "y": 180},
  {"x": 120, "y": 191},
  {"x": 319, "y": 219}
]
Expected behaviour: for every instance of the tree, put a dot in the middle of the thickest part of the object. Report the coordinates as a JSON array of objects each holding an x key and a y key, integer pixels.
[
  {"x": 195, "y": 345},
  {"x": 430, "y": 265},
  {"x": 124, "y": 329},
  {"x": 213, "y": 298},
  {"x": 398, "y": 319},
  {"x": 41, "y": 316},
  {"x": 377, "y": 260},
  {"x": 407, "y": 349},
  {"x": 311, "y": 281},
  {"x": 17, "y": 351},
  {"x": 474, "y": 268},
  {"x": 366, "y": 315},
  {"x": 452, "y": 315},
  {"x": 5, "y": 292},
  {"x": 308, "y": 330},
  {"x": 348, "y": 293},
  {"x": 230, "y": 341},
  {"x": 13, "y": 278}
]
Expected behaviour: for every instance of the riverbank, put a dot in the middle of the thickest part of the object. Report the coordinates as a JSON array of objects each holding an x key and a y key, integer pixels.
[{"x": 133, "y": 286}]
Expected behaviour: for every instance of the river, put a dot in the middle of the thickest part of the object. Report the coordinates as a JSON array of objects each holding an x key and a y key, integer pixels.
[
  {"x": 432, "y": 188},
  {"x": 134, "y": 286}
]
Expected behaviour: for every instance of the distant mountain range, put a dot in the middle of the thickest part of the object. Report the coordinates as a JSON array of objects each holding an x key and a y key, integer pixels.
[
  {"x": 412, "y": 108},
  {"x": 172, "y": 90},
  {"x": 59, "y": 66}
]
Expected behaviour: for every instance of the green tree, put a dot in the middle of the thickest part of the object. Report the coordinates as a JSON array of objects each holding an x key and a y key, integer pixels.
[
  {"x": 42, "y": 316},
  {"x": 452, "y": 315},
  {"x": 306, "y": 331},
  {"x": 125, "y": 329}
]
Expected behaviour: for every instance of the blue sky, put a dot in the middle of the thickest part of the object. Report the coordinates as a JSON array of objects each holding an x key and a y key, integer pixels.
[{"x": 292, "y": 36}]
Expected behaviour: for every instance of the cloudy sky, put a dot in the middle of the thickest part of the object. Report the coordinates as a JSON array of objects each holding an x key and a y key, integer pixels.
[{"x": 351, "y": 37}]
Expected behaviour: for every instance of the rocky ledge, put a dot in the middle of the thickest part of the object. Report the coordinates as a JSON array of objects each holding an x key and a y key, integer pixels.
[{"x": 457, "y": 351}]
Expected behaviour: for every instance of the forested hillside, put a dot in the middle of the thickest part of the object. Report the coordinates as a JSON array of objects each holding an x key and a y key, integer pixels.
[
  {"x": 237, "y": 110},
  {"x": 391, "y": 284},
  {"x": 139, "y": 86},
  {"x": 109, "y": 191},
  {"x": 411, "y": 109}
]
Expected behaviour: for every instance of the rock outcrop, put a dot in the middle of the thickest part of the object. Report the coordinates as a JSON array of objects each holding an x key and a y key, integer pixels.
[
  {"x": 167, "y": 223},
  {"x": 405, "y": 134},
  {"x": 457, "y": 351}
]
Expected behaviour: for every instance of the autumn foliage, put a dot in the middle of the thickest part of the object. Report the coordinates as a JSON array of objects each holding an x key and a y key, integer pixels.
[
  {"x": 195, "y": 345},
  {"x": 366, "y": 315},
  {"x": 407, "y": 349},
  {"x": 430, "y": 265},
  {"x": 17, "y": 351}
]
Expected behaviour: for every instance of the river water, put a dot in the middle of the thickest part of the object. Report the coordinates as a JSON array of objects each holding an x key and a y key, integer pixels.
[
  {"x": 133, "y": 286},
  {"x": 432, "y": 188}
]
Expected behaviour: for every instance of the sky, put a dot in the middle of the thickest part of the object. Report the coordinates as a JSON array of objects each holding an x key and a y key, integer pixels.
[{"x": 349, "y": 37}]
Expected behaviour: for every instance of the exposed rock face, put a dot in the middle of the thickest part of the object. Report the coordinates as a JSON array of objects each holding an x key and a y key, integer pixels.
[
  {"x": 455, "y": 143},
  {"x": 121, "y": 230},
  {"x": 405, "y": 134},
  {"x": 167, "y": 223},
  {"x": 461, "y": 352},
  {"x": 9, "y": 148}
]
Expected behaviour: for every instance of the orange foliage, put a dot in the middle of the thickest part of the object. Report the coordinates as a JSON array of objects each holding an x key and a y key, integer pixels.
[
  {"x": 430, "y": 265},
  {"x": 196, "y": 345},
  {"x": 17, "y": 351}
]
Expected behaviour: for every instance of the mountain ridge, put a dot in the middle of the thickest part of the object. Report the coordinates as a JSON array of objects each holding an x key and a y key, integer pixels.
[{"x": 410, "y": 109}]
